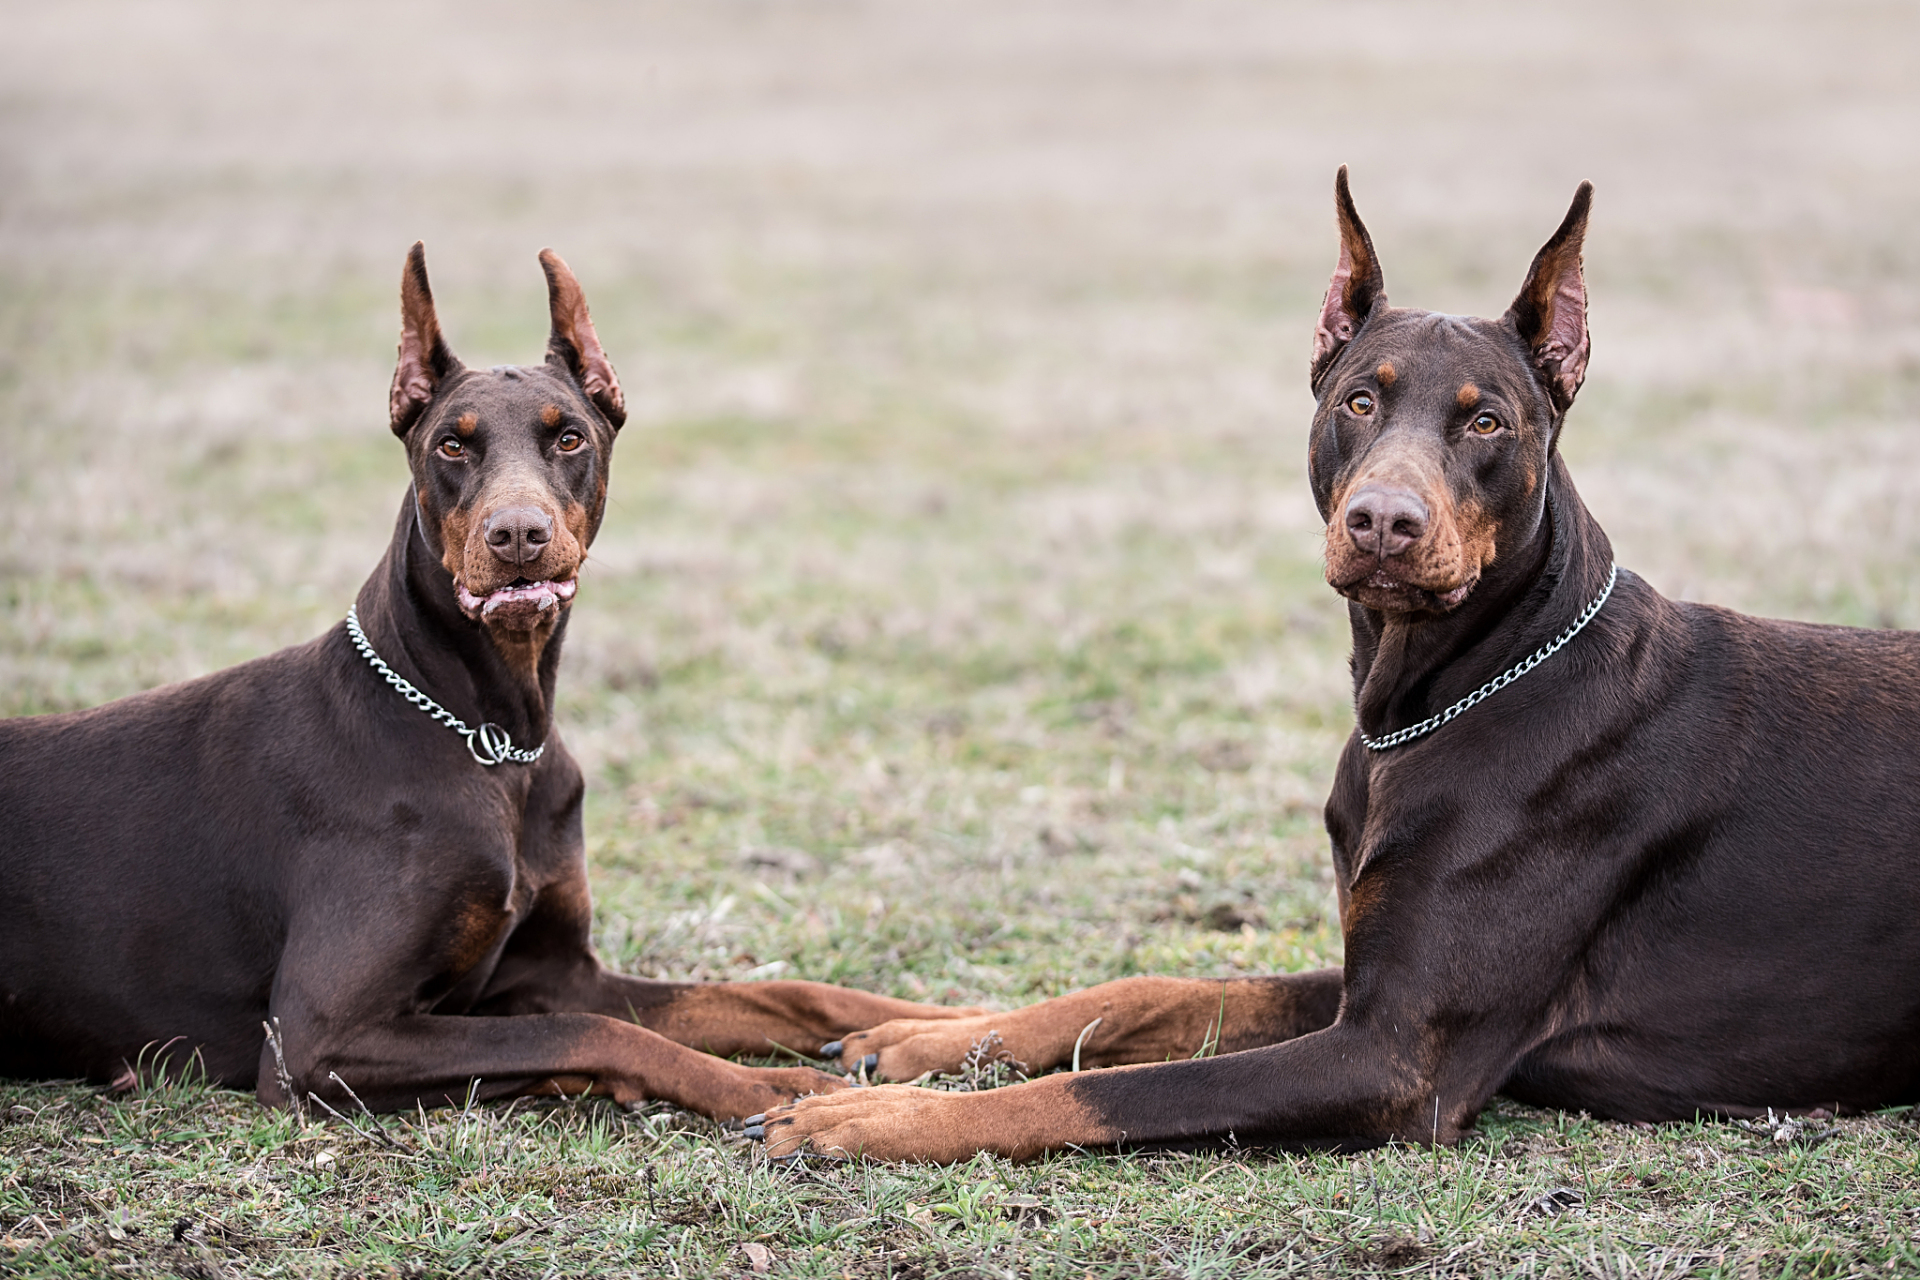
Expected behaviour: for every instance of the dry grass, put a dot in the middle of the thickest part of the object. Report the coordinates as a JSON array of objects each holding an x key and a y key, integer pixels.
[{"x": 957, "y": 627}]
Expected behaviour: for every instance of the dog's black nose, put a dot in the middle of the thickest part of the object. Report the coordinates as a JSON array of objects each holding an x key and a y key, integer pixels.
[
  {"x": 519, "y": 534},
  {"x": 1384, "y": 522}
]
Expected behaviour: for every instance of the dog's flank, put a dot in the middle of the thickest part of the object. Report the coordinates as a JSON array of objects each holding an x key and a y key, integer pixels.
[
  {"x": 1674, "y": 870},
  {"x": 394, "y": 882}
]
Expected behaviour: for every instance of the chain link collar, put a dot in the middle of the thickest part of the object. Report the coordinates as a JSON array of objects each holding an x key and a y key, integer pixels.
[
  {"x": 1496, "y": 684},
  {"x": 490, "y": 744}
]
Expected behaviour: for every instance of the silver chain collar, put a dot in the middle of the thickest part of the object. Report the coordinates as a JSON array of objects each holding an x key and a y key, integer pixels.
[
  {"x": 1496, "y": 684},
  {"x": 490, "y": 744}
]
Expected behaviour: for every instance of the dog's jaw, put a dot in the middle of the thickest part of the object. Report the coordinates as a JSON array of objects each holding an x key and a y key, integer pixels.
[
  {"x": 521, "y": 606},
  {"x": 1380, "y": 590}
]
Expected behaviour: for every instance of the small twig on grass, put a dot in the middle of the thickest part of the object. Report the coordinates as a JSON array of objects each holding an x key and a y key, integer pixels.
[
  {"x": 379, "y": 1129},
  {"x": 1436, "y": 1142},
  {"x": 276, "y": 1042},
  {"x": 327, "y": 1107}
]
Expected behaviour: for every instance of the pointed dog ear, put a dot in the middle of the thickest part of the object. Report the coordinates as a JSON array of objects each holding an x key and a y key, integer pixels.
[
  {"x": 425, "y": 361},
  {"x": 1551, "y": 311},
  {"x": 1357, "y": 285},
  {"x": 574, "y": 346}
]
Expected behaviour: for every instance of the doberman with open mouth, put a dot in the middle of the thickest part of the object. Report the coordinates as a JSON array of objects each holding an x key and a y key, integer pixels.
[
  {"x": 372, "y": 842},
  {"x": 1595, "y": 849}
]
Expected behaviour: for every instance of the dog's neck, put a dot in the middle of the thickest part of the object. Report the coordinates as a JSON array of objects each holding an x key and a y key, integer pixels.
[
  {"x": 414, "y": 621},
  {"x": 1409, "y": 667}
]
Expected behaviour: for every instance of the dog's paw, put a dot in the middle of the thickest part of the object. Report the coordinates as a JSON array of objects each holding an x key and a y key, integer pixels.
[
  {"x": 908, "y": 1048},
  {"x": 895, "y": 1122}
]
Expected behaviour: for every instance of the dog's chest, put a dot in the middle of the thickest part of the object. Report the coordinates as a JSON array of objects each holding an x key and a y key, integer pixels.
[{"x": 524, "y": 888}]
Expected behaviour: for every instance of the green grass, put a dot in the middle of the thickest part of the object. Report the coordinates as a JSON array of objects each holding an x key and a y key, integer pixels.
[{"x": 198, "y": 1182}]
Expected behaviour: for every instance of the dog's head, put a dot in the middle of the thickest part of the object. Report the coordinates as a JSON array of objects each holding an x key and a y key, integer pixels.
[
  {"x": 509, "y": 464},
  {"x": 1434, "y": 433}
]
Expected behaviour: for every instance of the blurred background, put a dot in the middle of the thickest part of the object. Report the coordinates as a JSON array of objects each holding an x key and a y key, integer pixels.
[{"x": 957, "y": 623}]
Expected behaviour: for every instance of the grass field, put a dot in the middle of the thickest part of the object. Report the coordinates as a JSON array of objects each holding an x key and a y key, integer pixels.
[{"x": 957, "y": 628}]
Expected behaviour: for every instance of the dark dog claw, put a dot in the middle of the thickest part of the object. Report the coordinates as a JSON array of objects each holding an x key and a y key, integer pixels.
[
  {"x": 754, "y": 1132},
  {"x": 750, "y": 1121},
  {"x": 869, "y": 1064},
  {"x": 831, "y": 1049}
]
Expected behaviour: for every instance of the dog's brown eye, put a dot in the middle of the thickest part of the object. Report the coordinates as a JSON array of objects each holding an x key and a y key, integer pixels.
[
  {"x": 1485, "y": 424},
  {"x": 452, "y": 449},
  {"x": 1361, "y": 402},
  {"x": 569, "y": 441}
]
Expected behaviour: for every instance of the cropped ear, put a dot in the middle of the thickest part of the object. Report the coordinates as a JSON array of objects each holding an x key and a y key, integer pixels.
[
  {"x": 1357, "y": 285},
  {"x": 425, "y": 361},
  {"x": 1551, "y": 311},
  {"x": 574, "y": 346}
]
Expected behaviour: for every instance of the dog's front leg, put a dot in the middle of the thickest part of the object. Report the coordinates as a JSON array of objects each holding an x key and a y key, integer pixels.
[
  {"x": 548, "y": 966},
  {"x": 1127, "y": 1021},
  {"x": 1341, "y": 1087},
  {"x": 434, "y": 1060},
  {"x": 756, "y": 1017}
]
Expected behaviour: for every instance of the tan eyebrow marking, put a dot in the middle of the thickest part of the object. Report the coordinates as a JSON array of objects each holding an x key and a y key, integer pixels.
[
  {"x": 551, "y": 415},
  {"x": 1469, "y": 396},
  {"x": 1385, "y": 373},
  {"x": 466, "y": 423}
]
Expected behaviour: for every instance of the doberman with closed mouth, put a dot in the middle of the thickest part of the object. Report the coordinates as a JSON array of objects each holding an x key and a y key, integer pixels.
[
  {"x": 373, "y": 842},
  {"x": 1595, "y": 849}
]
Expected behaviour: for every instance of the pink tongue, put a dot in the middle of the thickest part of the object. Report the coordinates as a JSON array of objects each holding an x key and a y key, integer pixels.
[{"x": 522, "y": 605}]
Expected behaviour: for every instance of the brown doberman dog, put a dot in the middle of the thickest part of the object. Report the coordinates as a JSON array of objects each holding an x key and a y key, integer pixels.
[
  {"x": 1595, "y": 848},
  {"x": 374, "y": 840}
]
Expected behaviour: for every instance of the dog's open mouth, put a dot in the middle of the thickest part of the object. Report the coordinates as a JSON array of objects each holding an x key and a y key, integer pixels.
[
  {"x": 1381, "y": 587},
  {"x": 520, "y": 604}
]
